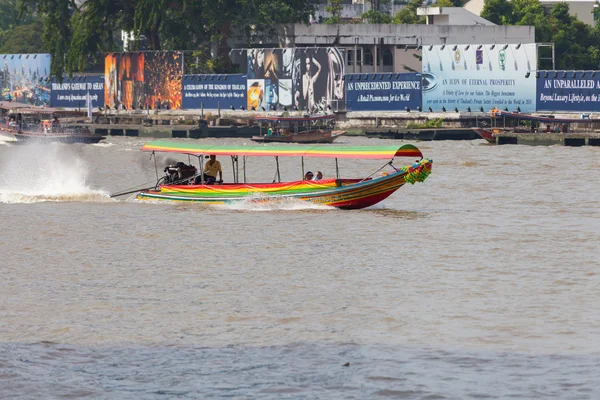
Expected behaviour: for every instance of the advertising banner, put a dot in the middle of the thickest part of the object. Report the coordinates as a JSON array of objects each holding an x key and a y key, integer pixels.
[
  {"x": 474, "y": 76},
  {"x": 383, "y": 92},
  {"x": 214, "y": 91},
  {"x": 574, "y": 91},
  {"x": 24, "y": 78},
  {"x": 72, "y": 93},
  {"x": 143, "y": 80},
  {"x": 302, "y": 78}
]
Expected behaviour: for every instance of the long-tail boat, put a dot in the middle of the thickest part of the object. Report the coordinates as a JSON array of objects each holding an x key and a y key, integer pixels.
[
  {"x": 504, "y": 122},
  {"x": 344, "y": 193},
  {"x": 29, "y": 124},
  {"x": 289, "y": 129}
]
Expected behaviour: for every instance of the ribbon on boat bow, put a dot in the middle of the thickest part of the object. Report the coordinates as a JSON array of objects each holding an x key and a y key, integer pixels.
[{"x": 417, "y": 172}]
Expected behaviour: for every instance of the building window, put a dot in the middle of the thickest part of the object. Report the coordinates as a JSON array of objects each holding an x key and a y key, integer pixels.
[
  {"x": 350, "y": 57},
  {"x": 388, "y": 57},
  {"x": 368, "y": 57}
]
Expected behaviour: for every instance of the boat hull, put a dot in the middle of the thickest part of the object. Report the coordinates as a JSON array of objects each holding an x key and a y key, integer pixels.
[
  {"x": 487, "y": 134},
  {"x": 27, "y": 138},
  {"x": 308, "y": 138},
  {"x": 40, "y": 137},
  {"x": 343, "y": 194}
]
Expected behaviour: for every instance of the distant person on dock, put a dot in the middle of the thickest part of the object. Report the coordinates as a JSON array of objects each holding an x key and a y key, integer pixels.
[{"x": 211, "y": 169}]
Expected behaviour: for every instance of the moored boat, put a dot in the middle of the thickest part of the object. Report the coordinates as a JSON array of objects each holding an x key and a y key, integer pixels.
[
  {"x": 306, "y": 129},
  {"x": 517, "y": 124},
  {"x": 338, "y": 192},
  {"x": 41, "y": 125},
  {"x": 489, "y": 134}
]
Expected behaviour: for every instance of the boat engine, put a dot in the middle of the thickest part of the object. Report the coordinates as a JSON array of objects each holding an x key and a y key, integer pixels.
[{"x": 179, "y": 173}]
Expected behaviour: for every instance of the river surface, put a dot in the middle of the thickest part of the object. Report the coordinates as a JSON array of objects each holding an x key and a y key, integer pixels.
[{"x": 481, "y": 283}]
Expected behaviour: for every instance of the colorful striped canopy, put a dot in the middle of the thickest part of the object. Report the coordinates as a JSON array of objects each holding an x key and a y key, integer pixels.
[{"x": 367, "y": 152}]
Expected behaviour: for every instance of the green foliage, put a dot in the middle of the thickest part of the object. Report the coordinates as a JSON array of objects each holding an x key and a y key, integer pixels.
[
  {"x": 56, "y": 36},
  {"x": 596, "y": 13},
  {"x": 408, "y": 15},
  {"x": 430, "y": 123},
  {"x": 376, "y": 4},
  {"x": 23, "y": 39},
  {"x": 10, "y": 19},
  {"x": 499, "y": 12},
  {"x": 376, "y": 17},
  {"x": 77, "y": 36},
  {"x": 577, "y": 45},
  {"x": 93, "y": 33},
  {"x": 443, "y": 3},
  {"x": 334, "y": 8},
  {"x": 200, "y": 62}
]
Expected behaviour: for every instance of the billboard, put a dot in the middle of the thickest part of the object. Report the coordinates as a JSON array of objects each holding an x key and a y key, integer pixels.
[
  {"x": 474, "y": 76},
  {"x": 24, "y": 78},
  {"x": 575, "y": 91},
  {"x": 72, "y": 93},
  {"x": 214, "y": 91},
  {"x": 143, "y": 80},
  {"x": 305, "y": 78},
  {"x": 383, "y": 92}
]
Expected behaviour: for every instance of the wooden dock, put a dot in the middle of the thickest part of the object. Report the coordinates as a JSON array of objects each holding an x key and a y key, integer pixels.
[
  {"x": 425, "y": 134},
  {"x": 175, "y": 131}
]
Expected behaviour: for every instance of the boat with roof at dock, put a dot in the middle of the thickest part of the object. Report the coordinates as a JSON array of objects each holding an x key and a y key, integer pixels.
[
  {"x": 303, "y": 129},
  {"x": 515, "y": 128},
  {"x": 31, "y": 124}
]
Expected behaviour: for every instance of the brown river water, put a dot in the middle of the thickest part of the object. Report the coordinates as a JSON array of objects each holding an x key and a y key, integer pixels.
[{"x": 481, "y": 283}]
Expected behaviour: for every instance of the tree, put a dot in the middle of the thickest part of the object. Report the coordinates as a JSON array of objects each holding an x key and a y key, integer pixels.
[
  {"x": 499, "y": 12},
  {"x": 56, "y": 16},
  {"x": 93, "y": 31},
  {"x": 561, "y": 12},
  {"x": 525, "y": 12},
  {"x": 376, "y": 17},
  {"x": 23, "y": 39},
  {"x": 408, "y": 15},
  {"x": 576, "y": 44},
  {"x": 596, "y": 13},
  {"x": 376, "y": 4},
  {"x": 334, "y": 8},
  {"x": 10, "y": 19},
  {"x": 76, "y": 36},
  {"x": 444, "y": 3}
]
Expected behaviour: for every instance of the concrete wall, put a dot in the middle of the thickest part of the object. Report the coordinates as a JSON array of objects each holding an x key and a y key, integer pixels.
[
  {"x": 474, "y": 6},
  {"x": 363, "y": 34},
  {"x": 404, "y": 61},
  {"x": 350, "y": 11},
  {"x": 451, "y": 16}
]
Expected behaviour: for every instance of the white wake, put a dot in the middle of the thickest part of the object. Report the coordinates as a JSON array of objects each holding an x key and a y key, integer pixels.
[
  {"x": 260, "y": 203},
  {"x": 45, "y": 172}
]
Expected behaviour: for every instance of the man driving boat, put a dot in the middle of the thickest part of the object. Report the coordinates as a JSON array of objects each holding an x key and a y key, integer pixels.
[{"x": 211, "y": 169}]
